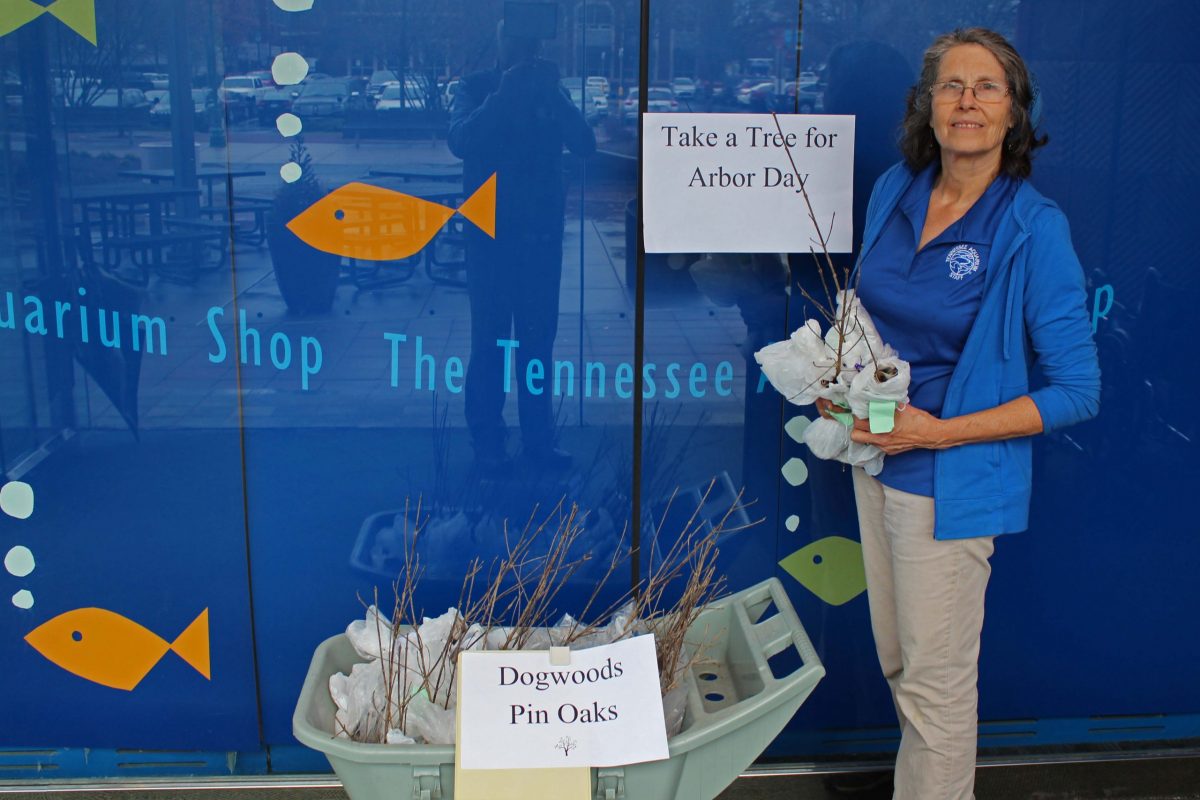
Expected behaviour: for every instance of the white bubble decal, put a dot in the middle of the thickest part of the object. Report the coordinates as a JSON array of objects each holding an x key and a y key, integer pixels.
[
  {"x": 792, "y": 522},
  {"x": 795, "y": 427},
  {"x": 19, "y": 561},
  {"x": 23, "y": 599},
  {"x": 288, "y": 69},
  {"x": 795, "y": 471},
  {"x": 289, "y": 124},
  {"x": 16, "y": 499},
  {"x": 290, "y": 172},
  {"x": 294, "y": 5}
]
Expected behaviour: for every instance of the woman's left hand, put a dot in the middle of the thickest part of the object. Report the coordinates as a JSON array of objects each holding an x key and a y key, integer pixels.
[{"x": 914, "y": 429}]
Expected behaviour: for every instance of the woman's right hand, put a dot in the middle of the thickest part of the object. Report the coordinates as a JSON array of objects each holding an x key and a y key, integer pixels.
[{"x": 824, "y": 407}]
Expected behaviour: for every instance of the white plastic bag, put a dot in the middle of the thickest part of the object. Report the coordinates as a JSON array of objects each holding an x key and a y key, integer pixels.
[
  {"x": 429, "y": 723},
  {"x": 429, "y": 684},
  {"x": 796, "y": 365},
  {"x": 827, "y": 439},
  {"x": 806, "y": 367},
  {"x": 867, "y": 456},
  {"x": 674, "y": 706},
  {"x": 862, "y": 344},
  {"x": 866, "y": 386},
  {"x": 357, "y": 697},
  {"x": 371, "y": 636}
]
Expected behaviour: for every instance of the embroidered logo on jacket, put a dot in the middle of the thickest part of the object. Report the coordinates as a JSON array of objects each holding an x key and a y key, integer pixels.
[{"x": 963, "y": 260}]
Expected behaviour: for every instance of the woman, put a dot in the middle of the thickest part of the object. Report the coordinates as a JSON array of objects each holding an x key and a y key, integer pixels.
[{"x": 968, "y": 272}]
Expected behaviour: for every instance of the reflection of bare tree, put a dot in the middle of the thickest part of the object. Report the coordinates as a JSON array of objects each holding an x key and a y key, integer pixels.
[
  {"x": 130, "y": 32},
  {"x": 828, "y": 23},
  {"x": 722, "y": 34},
  {"x": 450, "y": 37}
]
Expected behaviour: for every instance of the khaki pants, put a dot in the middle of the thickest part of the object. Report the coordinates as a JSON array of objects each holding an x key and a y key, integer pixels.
[{"x": 926, "y": 601}]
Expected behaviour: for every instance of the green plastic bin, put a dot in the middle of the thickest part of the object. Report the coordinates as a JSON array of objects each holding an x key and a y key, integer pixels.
[{"x": 735, "y": 707}]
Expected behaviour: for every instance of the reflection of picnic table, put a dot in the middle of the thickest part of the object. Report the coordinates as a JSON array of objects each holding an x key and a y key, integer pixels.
[
  {"x": 137, "y": 219},
  {"x": 368, "y": 274},
  {"x": 218, "y": 208},
  {"x": 209, "y": 175},
  {"x": 421, "y": 172}
]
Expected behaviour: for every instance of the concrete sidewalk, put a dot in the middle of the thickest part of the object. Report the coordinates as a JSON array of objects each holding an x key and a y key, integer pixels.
[{"x": 1175, "y": 778}]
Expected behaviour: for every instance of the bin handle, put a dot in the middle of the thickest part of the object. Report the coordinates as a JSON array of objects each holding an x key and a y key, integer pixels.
[{"x": 768, "y": 635}]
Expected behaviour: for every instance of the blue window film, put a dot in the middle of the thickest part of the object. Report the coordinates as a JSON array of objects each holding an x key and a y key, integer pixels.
[{"x": 279, "y": 393}]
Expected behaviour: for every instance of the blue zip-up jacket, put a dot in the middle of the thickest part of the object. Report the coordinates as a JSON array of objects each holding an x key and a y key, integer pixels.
[{"x": 1033, "y": 309}]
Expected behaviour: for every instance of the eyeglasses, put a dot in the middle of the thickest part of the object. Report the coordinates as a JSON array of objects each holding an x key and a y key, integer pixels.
[{"x": 984, "y": 91}]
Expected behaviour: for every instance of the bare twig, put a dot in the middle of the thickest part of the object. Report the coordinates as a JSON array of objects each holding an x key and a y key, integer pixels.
[{"x": 514, "y": 597}]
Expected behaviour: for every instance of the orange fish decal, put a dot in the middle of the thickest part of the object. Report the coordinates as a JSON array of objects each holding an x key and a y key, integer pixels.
[
  {"x": 111, "y": 650},
  {"x": 371, "y": 223}
]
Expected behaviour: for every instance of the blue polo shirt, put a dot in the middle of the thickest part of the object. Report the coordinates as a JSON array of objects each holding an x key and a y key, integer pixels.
[{"x": 924, "y": 303}]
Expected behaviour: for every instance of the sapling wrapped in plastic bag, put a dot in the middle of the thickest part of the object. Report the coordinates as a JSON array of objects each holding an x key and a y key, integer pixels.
[
  {"x": 429, "y": 723},
  {"x": 875, "y": 392},
  {"x": 372, "y": 636},
  {"x": 357, "y": 697},
  {"x": 406, "y": 691},
  {"x": 827, "y": 439},
  {"x": 852, "y": 367},
  {"x": 854, "y": 328},
  {"x": 886, "y": 382},
  {"x": 796, "y": 365}
]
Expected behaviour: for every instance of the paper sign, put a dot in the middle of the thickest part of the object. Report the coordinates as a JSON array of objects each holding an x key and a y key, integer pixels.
[
  {"x": 723, "y": 183},
  {"x": 561, "y": 783},
  {"x": 603, "y": 709}
]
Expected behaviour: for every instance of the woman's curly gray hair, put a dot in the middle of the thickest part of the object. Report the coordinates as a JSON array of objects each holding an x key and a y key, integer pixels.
[{"x": 917, "y": 142}]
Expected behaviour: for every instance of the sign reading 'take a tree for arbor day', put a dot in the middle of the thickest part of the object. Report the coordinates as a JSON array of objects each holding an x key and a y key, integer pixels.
[
  {"x": 518, "y": 711},
  {"x": 723, "y": 183}
]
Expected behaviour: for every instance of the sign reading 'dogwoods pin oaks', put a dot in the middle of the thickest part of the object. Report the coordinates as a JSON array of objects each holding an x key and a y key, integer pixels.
[
  {"x": 519, "y": 711},
  {"x": 724, "y": 183}
]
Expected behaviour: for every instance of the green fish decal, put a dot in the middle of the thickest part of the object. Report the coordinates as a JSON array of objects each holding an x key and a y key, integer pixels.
[{"x": 831, "y": 568}]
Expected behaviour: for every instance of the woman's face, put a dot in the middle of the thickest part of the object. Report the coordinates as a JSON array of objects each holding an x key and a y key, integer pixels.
[{"x": 965, "y": 126}]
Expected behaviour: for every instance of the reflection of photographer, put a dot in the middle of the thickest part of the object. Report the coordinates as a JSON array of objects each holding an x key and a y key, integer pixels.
[{"x": 514, "y": 121}]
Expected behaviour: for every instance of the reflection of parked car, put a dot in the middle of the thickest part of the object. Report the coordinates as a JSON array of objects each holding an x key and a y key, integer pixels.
[
  {"x": 157, "y": 80},
  {"x": 585, "y": 101},
  {"x": 448, "y": 92},
  {"x": 123, "y": 108},
  {"x": 380, "y": 78},
  {"x": 811, "y": 100},
  {"x": 133, "y": 80},
  {"x": 274, "y": 100},
  {"x": 391, "y": 98},
  {"x": 203, "y": 106},
  {"x": 657, "y": 99},
  {"x": 756, "y": 94},
  {"x": 240, "y": 93},
  {"x": 593, "y": 105},
  {"x": 684, "y": 88},
  {"x": 264, "y": 76},
  {"x": 240, "y": 87},
  {"x": 599, "y": 85},
  {"x": 124, "y": 98},
  {"x": 321, "y": 98}
]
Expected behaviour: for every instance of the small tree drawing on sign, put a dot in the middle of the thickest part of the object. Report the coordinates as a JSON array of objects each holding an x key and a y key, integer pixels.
[{"x": 566, "y": 744}]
